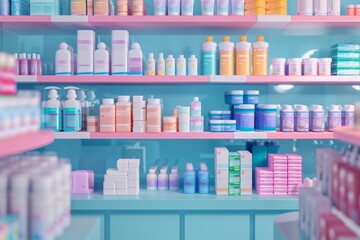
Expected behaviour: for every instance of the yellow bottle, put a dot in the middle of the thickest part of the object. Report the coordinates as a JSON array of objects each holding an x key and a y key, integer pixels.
[
  {"x": 226, "y": 56},
  {"x": 243, "y": 52},
  {"x": 260, "y": 57},
  {"x": 78, "y": 7}
]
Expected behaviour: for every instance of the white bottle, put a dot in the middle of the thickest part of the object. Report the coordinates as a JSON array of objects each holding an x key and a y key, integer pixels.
[
  {"x": 135, "y": 60},
  {"x": 107, "y": 115},
  {"x": 151, "y": 65},
  {"x": 85, "y": 108},
  {"x": 170, "y": 66},
  {"x": 151, "y": 179},
  {"x": 72, "y": 111},
  {"x": 334, "y": 7},
  {"x": 192, "y": 66},
  {"x": 195, "y": 108},
  {"x": 119, "y": 52},
  {"x": 163, "y": 179},
  {"x": 52, "y": 112},
  {"x": 181, "y": 66},
  {"x": 101, "y": 60},
  {"x": 161, "y": 65},
  {"x": 306, "y": 7},
  {"x": 63, "y": 60},
  {"x": 174, "y": 179}
]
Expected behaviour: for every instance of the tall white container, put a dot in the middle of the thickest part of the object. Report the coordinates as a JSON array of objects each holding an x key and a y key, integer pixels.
[
  {"x": 119, "y": 54},
  {"x": 101, "y": 60},
  {"x": 85, "y": 52}
]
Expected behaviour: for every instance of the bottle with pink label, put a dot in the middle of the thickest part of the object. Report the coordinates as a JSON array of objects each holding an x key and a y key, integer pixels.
[
  {"x": 301, "y": 118},
  {"x": 317, "y": 118},
  {"x": 334, "y": 117},
  {"x": 348, "y": 113},
  {"x": 287, "y": 118},
  {"x": 135, "y": 60}
]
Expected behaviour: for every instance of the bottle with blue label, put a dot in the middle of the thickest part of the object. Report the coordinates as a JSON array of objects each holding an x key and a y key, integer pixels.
[
  {"x": 52, "y": 110},
  {"x": 72, "y": 111},
  {"x": 203, "y": 179},
  {"x": 209, "y": 56},
  {"x": 189, "y": 179}
]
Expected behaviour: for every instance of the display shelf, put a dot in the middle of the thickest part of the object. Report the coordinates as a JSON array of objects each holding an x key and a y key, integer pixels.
[
  {"x": 347, "y": 134},
  {"x": 152, "y": 22},
  {"x": 190, "y": 79},
  {"x": 170, "y": 200},
  {"x": 83, "y": 228},
  {"x": 195, "y": 135},
  {"x": 25, "y": 142}
]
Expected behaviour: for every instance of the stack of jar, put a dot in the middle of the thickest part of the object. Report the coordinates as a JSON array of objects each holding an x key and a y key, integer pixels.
[
  {"x": 303, "y": 120},
  {"x": 265, "y": 7},
  {"x": 353, "y": 10},
  {"x": 299, "y": 66}
]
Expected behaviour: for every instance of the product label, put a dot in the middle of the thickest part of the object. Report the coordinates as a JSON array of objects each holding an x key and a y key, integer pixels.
[
  {"x": 317, "y": 121},
  {"x": 237, "y": 7},
  {"x": 101, "y": 67},
  {"x": 223, "y": 6},
  {"x": 287, "y": 121},
  {"x": 278, "y": 69},
  {"x": 161, "y": 68},
  {"x": 192, "y": 68},
  {"x": 310, "y": 69},
  {"x": 187, "y": 7},
  {"x": 302, "y": 122},
  {"x": 163, "y": 183},
  {"x": 226, "y": 63},
  {"x": 207, "y": 7},
  {"x": 174, "y": 7},
  {"x": 71, "y": 119},
  {"x": 245, "y": 121},
  {"x": 334, "y": 120},
  {"x": 173, "y": 183},
  {"x": 159, "y": 7},
  {"x": 135, "y": 65},
  {"x": 243, "y": 63},
  {"x": 196, "y": 109},
  {"x": 294, "y": 69},
  {"x": 63, "y": 67},
  {"x": 170, "y": 67},
  {"x": 324, "y": 69},
  {"x": 348, "y": 118},
  {"x": 268, "y": 121},
  {"x": 260, "y": 62},
  {"x": 52, "y": 118},
  {"x": 209, "y": 63}
]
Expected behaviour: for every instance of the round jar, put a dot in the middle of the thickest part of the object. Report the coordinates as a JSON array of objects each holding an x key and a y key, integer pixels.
[
  {"x": 334, "y": 117},
  {"x": 216, "y": 125},
  {"x": 301, "y": 118},
  {"x": 234, "y": 97},
  {"x": 317, "y": 118},
  {"x": 324, "y": 66},
  {"x": 267, "y": 117},
  {"x": 229, "y": 125},
  {"x": 170, "y": 123},
  {"x": 310, "y": 67},
  {"x": 287, "y": 118},
  {"x": 278, "y": 66},
  {"x": 357, "y": 10},
  {"x": 226, "y": 115},
  {"x": 216, "y": 115},
  {"x": 245, "y": 117},
  {"x": 196, "y": 124},
  {"x": 350, "y": 10},
  {"x": 251, "y": 97},
  {"x": 294, "y": 66},
  {"x": 347, "y": 115}
]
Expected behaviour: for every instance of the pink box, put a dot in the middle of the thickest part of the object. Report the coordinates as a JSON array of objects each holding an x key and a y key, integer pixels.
[
  {"x": 353, "y": 193},
  {"x": 275, "y": 160},
  {"x": 327, "y": 220}
]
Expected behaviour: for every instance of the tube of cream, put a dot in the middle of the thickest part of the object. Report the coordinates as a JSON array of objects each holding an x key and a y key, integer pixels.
[
  {"x": 187, "y": 7},
  {"x": 222, "y": 7},
  {"x": 159, "y": 7},
  {"x": 237, "y": 7},
  {"x": 173, "y": 7},
  {"x": 207, "y": 7}
]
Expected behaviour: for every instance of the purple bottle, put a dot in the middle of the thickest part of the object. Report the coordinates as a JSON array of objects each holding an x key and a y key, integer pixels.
[
  {"x": 334, "y": 117},
  {"x": 24, "y": 66},
  {"x": 39, "y": 65},
  {"x": 287, "y": 118},
  {"x": 348, "y": 114},
  {"x": 33, "y": 66}
]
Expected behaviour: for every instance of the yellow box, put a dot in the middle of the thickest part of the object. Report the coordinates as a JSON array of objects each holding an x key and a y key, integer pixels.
[
  {"x": 253, "y": 5},
  {"x": 280, "y": 11},
  {"x": 255, "y": 11},
  {"x": 275, "y": 5}
]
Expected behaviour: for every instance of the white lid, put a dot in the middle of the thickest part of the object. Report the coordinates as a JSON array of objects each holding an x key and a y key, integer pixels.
[
  {"x": 203, "y": 166},
  {"x": 154, "y": 101},
  {"x": 253, "y": 92},
  {"x": 63, "y": 45},
  {"x": 29, "y": 56},
  {"x": 34, "y": 56},
  {"x": 192, "y": 56},
  {"x": 349, "y": 107},
  {"x": 245, "y": 106},
  {"x": 216, "y": 112},
  {"x": 151, "y": 56},
  {"x": 123, "y": 98},
  {"x": 310, "y": 60},
  {"x": 287, "y": 108},
  {"x": 161, "y": 56},
  {"x": 334, "y": 107},
  {"x": 71, "y": 93},
  {"x": 279, "y": 60},
  {"x": 16, "y": 55},
  {"x": 135, "y": 45},
  {"x": 53, "y": 94},
  {"x": 152, "y": 170},
  {"x": 101, "y": 45},
  {"x": 107, "y": 101},
  {"x": 38, "y": 56},
  {"x": 235, "y": 92},
  {"x": 269, "y": 106},
  {"x": 189, "y": 167},
  {"x": 170, "y": 56},
  {"x": 325, "y": 60},
  {"x": 216, "y": 121},
  {"x": 301, "y": 107},
  {"x": 352, "y": 6},
  {"x": 229, "y": 121},
  {"x": 181, "y": 56},
  {"x": 169, "y": 119},
  {"x": 316, "y": 107},
  {"x": 357, "y": 5},
  {"x": 294, "y": 60},
  {"x": 163, "y": 171},
  {"x": 196, "y": 99}
]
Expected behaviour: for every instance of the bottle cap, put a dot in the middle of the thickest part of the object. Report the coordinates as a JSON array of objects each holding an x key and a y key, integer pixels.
[
  {"x": 101, "y": 45},
  {"x": 63, "y": 45},
  {"x": 174, "y": 170},
  {"x": 135, "y": 45},
  {"x": 209, "y": 38},
  {"x": 161, "y": 56},
  {"x": 38, "y": 56},
  {"x": 243, "y": 38},
  {"x": 34, "y": 56},
  {"x": 260, "y": 38},
  {"x": 192, "y": 56},
  {"x": 287, "y": 107},
  {"x": 189, "y": 167},
  {"x": 335, "y": 107},
  {"x": 108, "y": 101},
  {"x": 163, "y": 170},
  {"x": 196, "y": 99},
  {"x": 203, "y": 167},
  {"x": 349, "y": 107},
  {"x": 151, "y": 56},
  {"x": 226, "y": 38},
  {"x": 123, "y": 98},
  {"x": 154, "y": 101},
  {"x": 152, "y": 170},
  {"x": 181, "y": 56}
]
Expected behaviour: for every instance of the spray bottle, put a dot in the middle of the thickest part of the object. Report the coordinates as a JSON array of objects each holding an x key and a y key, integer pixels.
[
  {"x": 72, "y": 111},
  {"x": 51, "y": 109}
]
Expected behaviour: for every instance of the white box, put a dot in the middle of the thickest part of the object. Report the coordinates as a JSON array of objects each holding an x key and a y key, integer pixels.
[
  {"x": 112, "y": 178},
  {"x": 221, "y": 157},
  {"x": 133, "y": 184},
  {"x": 122, "y": 164},
  {"x": 115, "y": 172},
  {"x": 245, "y": 173},
  {"x": 109, "y": 185},
  {"x": 139, "y": 123},
  {"x": 222, "y": 181},
  {"x": 139, "y": 105},
  {"x": 138, "y": 99},
  {"x": 139, "y": 129},
  {"x": 85, "y": 52},
  {"x": 122, "y": 192},
  {"x": 133, "y": 191},
  {"x": 107, "y": 191},
  {"x": 119, "y": 52},
  {"x": 134, "y": 163},
  {"x": 121, "y": 185},
  {"x": 139, "y": 115}
]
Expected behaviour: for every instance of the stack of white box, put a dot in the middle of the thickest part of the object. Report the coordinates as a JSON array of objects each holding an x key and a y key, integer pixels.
[
  {"x": 125, "y": 180},
  {"x": 139, "y": 114}
]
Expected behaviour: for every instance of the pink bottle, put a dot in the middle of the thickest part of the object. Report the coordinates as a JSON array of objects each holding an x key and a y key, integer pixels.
[
  {"x": 33, "y": 66},
  {"x": 24, "y": 66},
  {"x": 17, "y": 64},
  {"x": 39, "y": 65}
]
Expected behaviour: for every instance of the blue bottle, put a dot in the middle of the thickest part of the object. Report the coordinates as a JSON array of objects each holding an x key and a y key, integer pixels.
[
  {"x": 209, "y": 56},
  {"x": 189, "y": 179},
  {"x": 4, "y": 7},
  {"x": 203, "y": 179}
]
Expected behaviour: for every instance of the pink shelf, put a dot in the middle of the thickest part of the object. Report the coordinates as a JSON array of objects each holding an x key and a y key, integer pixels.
[
  {"x": 347, "y": 134},
  {"x": 123, "y": 79},
  {"x": 299, "y": 135},
  {"x": 163, "y": 135},
  {"x": 25, "y": 142},
  {"x": 324, "y": 22},
  {"x": 304, "y": 79}
]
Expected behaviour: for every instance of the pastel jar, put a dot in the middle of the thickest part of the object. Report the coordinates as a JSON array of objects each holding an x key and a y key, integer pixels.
[
  {"x": 334, "y": 117},
  {"x": 324, "y": 66},
  {"x": 251, "y": 97},
  {"x": 347, "y": 115},
  {"x": 317, "y": 118},
  {"x": 294, "y": 66},
  {"x": 287, "y": 118},
  {"x": 216, "y": 125},
  {"x": 301, "y": 118},
  {"x": 310, "y": 67},
  {"x": 234, "y": 97},
  {"x": 220, "y": 115},
  {"x": 244, "y": 115},
  {"x": 278, "y": 66},
  {"x": 228, "y": 125},
  {"x": 267, "y": 114}
]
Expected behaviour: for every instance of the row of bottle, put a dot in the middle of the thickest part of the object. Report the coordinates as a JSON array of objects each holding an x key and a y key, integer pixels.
[
  {"x": 162, "y": 67},
  {"x": 28, "y": 64},
  {"x": 37, "y": 189},
  {"x": 69, "y": 115},
  {"x": 303, "y": 120},
  {"x": 235, "y": 55},
  {"x": 19, "y": 114},
  {"x": 192, "y": 180}
]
